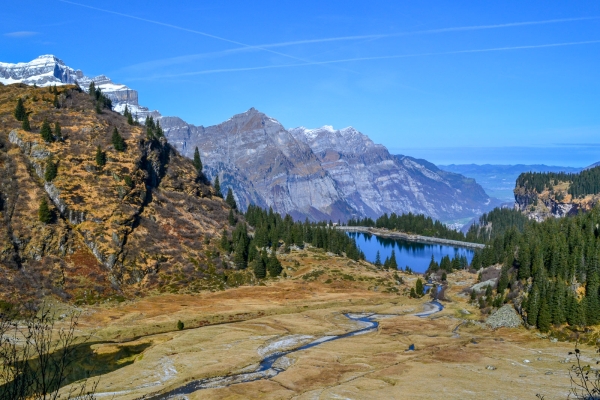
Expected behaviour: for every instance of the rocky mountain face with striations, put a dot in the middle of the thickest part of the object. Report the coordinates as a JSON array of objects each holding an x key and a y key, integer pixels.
[
  {"x": 323, "y": 173},
  {"x": 143, "y": 221},
  {"x": 319, "y": 174}
]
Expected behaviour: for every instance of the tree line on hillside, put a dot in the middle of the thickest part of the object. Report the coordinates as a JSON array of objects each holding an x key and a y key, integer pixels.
[
  {"x": 410, "y": 223},
  {"x": 274, "y": 233},
  {"x": 580, "y": 184},
  {"x": 495, "y": 223},
  {"x": 557, "y": 263}
]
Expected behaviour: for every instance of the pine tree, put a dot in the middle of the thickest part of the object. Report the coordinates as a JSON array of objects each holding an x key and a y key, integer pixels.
[
  {"x": 117, "y": 140},
  {"x": 54, "y": 89},
  {"x": 57, "y": 131},
  {"x": 260, "y": 270},
  {"x": 51, "y": 170},
  {"x": 433, "y": 265},
  {"x": 544, "y": 318},
  {"x": 218, "y": 187},
  {"x": 378, "y": 259},
  {"x": 239, "y": 258},
  {"x": 20, "y": 112},
  {"x": 56, "y": 102},
  {"x": 225, "y": 244},
  {"x": 92, "y": 90},
  {"x": 533, "y": 306},
  {"x": 503, "y": 282},
  {"x": 274, "y": 266},
  {"x": 197, "y": 161},
  {"x": 25, "y": 124},
  {"x": 231, "y": 200},
  {"x": 231, "y": 217},
  {"x": 46, "y": 132},
  {"x": 392, "y": 263},
  {"x": 100, "y": 157},
  {"x": 419, "y": 287},
  {"x": 44, "y": 212}
]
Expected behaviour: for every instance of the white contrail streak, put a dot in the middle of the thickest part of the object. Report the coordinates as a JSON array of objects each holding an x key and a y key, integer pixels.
[
  {"x": 213, "y": 71},
  {"x": 191, "y": 57},
  {"x": 244, "y": 45}
]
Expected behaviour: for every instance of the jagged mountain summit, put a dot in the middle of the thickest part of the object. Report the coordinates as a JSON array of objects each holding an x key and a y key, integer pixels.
[
  {"x": 319, "y": 174},
  {"x": 48, "y": 70},
  {"x": 323, "y": 173}
]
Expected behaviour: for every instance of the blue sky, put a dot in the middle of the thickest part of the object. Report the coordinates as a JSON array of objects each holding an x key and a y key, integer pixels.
[{"x": 452, "y": 82}]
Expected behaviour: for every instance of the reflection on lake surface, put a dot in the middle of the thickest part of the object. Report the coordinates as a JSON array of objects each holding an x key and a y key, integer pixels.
[{"x": 416, "y": 255}]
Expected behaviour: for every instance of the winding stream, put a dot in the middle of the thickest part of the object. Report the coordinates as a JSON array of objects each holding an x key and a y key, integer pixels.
[{"x": 276, "y": 363}]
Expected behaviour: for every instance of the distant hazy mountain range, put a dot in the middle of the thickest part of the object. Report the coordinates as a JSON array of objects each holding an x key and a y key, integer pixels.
[
  {"x": 499, "y": 180},
  {"x": 319, "y": 174}
]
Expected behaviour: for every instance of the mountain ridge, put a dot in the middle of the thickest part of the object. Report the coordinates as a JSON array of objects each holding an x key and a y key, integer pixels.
[{"x": 319, "y": 174}]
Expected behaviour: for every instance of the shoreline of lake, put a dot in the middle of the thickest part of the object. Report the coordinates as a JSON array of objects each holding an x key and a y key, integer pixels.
[{"x": 385, "y": 233}]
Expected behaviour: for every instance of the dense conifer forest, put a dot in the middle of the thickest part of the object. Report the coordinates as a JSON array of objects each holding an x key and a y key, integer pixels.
[
  {"x": 410, "y": 223},
  {"x": 272, "y": 231},
  {"x": 556, "y": 262},
  {"x": 581, "y": 184}
]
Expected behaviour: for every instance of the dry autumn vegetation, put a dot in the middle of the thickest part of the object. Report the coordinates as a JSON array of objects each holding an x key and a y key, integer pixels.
[
  {"x": 130, "y": 237},
  {"x": 144, "y": 221}
]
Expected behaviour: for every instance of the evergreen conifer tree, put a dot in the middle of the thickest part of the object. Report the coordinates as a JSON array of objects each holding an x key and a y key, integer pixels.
[
  {"x": 218, "y": 187},
  {"x": 100, "y": 157},
  {"x": 274, "y": 266},
  {"x": 20, "y": 112},
  {"x": 44, "y": 213},
  {"x": 51, "y": 170},
  {"x": 239, "y": 257},
  {"x": 231, "y": 217},
  {"x": 57, "y": 131},
  {"x": 378, "y": 259},
  {"x": 503, "y": 282},
  {"x": 117, "y": 140},
  {"x": 393, "y": 264},
  {"x": 433, "y": 265},
  {"x": 56, "y": 102},
  {"x": 260, "y": 270},
  {"x": 419, "y": 287},
  {"x": 225, "y": 244},
  {"x": 46, "y": 132},
  {"x": 92, "y": 90},
  {"x": 25, "y": 124},
  {"x": 544, "y": 317},
  {"x": 197, "y": 161},
  {"x": 230, "y": 200}
]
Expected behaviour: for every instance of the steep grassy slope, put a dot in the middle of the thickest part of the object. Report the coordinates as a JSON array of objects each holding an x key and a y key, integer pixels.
[{"x": 143, "y": 221}]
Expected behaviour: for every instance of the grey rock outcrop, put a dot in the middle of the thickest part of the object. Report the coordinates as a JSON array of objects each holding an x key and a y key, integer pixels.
[{"x": 505, "y": 316}]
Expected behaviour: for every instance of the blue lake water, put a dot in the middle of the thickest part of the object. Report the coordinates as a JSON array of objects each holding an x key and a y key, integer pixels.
[{"x": 416, "y": 255}]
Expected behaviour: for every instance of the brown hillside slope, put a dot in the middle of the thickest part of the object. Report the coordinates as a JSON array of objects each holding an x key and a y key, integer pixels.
[{"x": 142, "y": 221}]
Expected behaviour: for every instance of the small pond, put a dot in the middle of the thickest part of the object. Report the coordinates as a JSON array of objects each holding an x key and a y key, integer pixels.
[{"x": 415, "y": 255}]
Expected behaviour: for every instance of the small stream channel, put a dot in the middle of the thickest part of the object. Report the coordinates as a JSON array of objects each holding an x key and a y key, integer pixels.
[{"x": 276, "y": 363}]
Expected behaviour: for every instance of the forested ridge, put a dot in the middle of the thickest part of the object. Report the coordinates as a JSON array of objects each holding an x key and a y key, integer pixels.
[
  {"x": 556, "y": 262},
  {"x": 581, "y": 184},
  {"x": 410, "y": 223}
]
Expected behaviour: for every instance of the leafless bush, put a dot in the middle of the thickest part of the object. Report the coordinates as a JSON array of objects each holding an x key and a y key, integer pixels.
[
  {"x": 36, "y": 356},
  {"x": 585, "y": 380}
]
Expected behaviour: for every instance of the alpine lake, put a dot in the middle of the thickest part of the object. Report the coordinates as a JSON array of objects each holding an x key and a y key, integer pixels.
[{"x": 415, "y": 255}]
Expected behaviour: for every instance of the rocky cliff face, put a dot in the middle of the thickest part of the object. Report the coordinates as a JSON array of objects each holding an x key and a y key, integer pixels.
[
  {"x": 552, "y": 203},
  {"x": 263, "y": 164},
  {"x": 322, "y": 173},
  {"x": 144, "y": 221}
]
